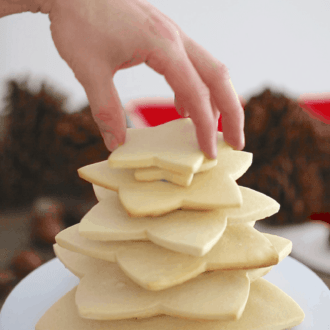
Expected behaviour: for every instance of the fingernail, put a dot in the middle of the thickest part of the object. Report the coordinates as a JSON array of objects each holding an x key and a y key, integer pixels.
[
  {"x": 180, "y": 111},
  {"x": 110, "y": 141},
  {"x": 114, "y": 144},
  {"x": 185, "y": 113}
]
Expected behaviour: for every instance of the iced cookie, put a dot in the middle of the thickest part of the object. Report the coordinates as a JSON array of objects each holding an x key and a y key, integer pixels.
[
  {"x": 208, "y": 190},
  {"x": 261, "y": 313},
  {"x": 156, "y": 268},
  {"x": 172, "y": 146},
  {"x": 190, "y": 232}
]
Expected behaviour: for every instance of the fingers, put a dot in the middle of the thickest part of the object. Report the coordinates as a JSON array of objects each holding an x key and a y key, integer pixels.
[
  {"x": 191, "y": 93},
  {"x": 105, "y": 104},
  {"x": 215, "y": 75}
]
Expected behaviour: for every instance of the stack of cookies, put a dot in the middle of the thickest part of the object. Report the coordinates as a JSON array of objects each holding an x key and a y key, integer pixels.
[{"x": 171, "y": 243}]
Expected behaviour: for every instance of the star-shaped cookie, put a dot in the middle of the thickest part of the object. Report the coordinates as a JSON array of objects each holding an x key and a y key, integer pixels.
[
  {"x": 208, "y": 190},
  {"x": 210, "y": 296},
  {"x": 125, "y": 299},
  {"x": 190, "y": 232},
  {"x": 154, "y": 173},
  {"x": 80, "y": 264},
  {"x": 172, "y": 146},
  {"x": 155, "y": 268},
  {"x": 278, "y": 313}
]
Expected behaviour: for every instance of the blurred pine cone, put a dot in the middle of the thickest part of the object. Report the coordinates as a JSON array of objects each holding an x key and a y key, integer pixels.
[
  {"x": 291, "y": 156},
  {"x": 44, "y": 146}
]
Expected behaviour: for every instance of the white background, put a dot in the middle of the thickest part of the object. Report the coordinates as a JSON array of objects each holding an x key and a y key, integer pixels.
[{"x": 279, "y": 43}]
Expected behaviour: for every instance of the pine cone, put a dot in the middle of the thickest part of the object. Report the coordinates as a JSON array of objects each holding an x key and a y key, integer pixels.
[
  {"x": 44, "y": 146},
  {"x": 291, "y": 157}
]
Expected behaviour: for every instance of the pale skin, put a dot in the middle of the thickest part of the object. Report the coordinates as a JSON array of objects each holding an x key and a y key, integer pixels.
[{"x": 98, "y": 38}]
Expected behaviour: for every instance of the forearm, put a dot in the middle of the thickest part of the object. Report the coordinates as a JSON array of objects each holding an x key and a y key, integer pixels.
[{"x": 9, "y": 7}]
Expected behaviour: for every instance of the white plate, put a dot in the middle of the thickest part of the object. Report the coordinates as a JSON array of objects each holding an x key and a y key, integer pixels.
[
  {"x": 42, "y": 288},
  {"x": 310, "y": 242}
]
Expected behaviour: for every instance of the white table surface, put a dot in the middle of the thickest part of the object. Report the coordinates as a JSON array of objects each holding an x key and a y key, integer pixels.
[{"x": 42, "y": 288}]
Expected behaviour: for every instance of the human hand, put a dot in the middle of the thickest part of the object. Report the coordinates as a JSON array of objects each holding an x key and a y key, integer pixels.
[{"x": 97, "y": 39}]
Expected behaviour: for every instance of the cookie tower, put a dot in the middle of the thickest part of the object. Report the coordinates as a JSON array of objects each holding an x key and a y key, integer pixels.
[{"x": 171, "y": 243}]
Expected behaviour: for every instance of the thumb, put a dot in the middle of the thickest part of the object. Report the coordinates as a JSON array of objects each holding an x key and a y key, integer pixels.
[{"x": 105, "y": 104}]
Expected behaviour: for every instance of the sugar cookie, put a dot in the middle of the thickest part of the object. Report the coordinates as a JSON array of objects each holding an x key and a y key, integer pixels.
[
  {"x": 197, "y": 264},
  {"x": 77, "y": 263},
  {"x": 172, "y": 146},
  {"x": 155, "y": 173},
  {"x": 102, "y": 193},
  {"x": 210, "y": 296},
  {"x": 126, "y": 299},
  {"x": 190, "y": 232},
  {"x": 156, "y": 268},
  {"x": 149, "y": 174},
  {"x": 80, "y": 264},
  {"x": 282, "y": 246},
  {"x": 157, "y": 198},
  {"x": 193, "y": 233},
  {"x": 261, "y": 313}
]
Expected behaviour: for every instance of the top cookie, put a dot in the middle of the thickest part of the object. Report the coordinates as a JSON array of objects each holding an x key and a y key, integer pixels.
[{"x": 172, "y": 146}]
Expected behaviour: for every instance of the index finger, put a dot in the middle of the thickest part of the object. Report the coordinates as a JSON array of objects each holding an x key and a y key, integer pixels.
[{"x": 216, "y": 77}]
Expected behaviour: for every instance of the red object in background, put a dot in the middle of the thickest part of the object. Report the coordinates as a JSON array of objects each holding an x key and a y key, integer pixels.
[
  {"x": 157, "y": 114},
  {"x": 325, "y": 217},
  {"x": 317, "y": 106}
]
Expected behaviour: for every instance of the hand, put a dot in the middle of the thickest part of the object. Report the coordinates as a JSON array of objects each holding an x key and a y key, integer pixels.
[{"x": 98, "y": 38}]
